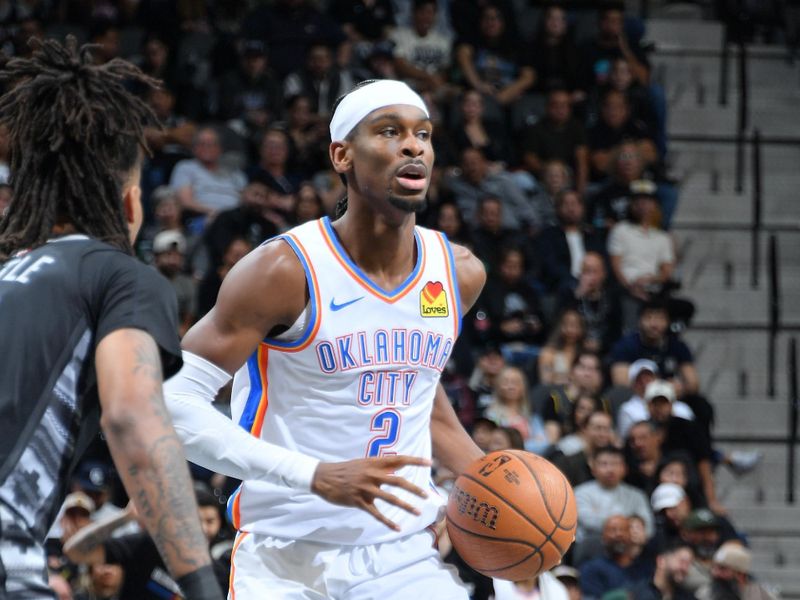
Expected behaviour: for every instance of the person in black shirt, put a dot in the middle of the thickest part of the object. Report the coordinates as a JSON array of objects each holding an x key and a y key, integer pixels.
[{"x": 88, "y": 329}]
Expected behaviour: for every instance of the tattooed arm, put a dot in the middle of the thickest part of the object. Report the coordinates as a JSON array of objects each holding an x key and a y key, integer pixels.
[{"x": 145, "y": 449}]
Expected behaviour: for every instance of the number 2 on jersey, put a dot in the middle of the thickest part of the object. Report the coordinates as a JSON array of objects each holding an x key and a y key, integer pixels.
[{"x": 387, "y": 424}]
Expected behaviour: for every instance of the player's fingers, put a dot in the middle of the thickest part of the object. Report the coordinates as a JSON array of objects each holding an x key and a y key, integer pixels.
[
  {"x": 404, "y": 483},
  {"x": 402, "y": 460},
  {"x": 392, "y": 499},
  {"x": 371, "y": 509}
]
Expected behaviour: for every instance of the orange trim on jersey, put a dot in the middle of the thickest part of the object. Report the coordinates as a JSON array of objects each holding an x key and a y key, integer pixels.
[
  {"x": 316, "y": 306},
  {"x": 263, "y": 403},
  {"x": 236, "y": 516},
  {"x": 242, "y": 535},
  {"x": 363, "y": 281},
  {"x": 450, "y": 268}
]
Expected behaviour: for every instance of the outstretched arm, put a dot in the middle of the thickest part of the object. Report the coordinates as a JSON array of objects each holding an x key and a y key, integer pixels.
[
  {"x": 452, "y": 445},
  {"x": 148, "y": 454}
]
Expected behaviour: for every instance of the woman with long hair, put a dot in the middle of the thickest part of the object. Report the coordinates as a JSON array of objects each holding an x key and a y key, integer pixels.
[{"x": 558, "y": 354}]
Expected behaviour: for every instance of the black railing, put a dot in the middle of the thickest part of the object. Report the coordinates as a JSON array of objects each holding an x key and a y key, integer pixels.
[
  {"x": 793, "y": 408},
  {"x": 774, "y": 312},
  {"x": 755, "y": 234}
]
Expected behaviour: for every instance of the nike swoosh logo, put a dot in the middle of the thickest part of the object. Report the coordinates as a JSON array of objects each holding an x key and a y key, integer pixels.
[{"x": 336, "y": 307}]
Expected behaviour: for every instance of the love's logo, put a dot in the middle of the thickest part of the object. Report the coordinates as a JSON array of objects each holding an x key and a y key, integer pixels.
[{"x": 433, "y": 300}]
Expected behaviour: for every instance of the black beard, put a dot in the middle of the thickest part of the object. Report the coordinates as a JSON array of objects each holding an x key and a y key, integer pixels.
[{"x": 407, "y": 206}]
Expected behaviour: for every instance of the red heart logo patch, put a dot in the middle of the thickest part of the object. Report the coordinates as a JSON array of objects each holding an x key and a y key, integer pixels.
[{"x": 432, "y": 290}]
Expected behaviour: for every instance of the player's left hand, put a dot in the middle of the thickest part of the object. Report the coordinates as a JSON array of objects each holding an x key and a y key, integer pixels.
[{"x": 358, "y": 483}]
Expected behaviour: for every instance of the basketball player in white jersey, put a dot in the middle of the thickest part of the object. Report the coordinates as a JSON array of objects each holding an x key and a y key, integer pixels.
[{"x": 337, "y": 333}]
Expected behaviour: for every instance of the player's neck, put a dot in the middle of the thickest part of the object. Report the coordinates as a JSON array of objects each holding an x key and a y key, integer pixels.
[{"x": 380, "y": 249}]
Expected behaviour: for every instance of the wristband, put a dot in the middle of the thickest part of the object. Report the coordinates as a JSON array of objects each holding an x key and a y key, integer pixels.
[{"x": 200, "y": 585}]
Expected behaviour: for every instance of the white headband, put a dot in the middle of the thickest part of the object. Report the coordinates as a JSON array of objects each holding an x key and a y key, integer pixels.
[{"x": 360, "y": 102}]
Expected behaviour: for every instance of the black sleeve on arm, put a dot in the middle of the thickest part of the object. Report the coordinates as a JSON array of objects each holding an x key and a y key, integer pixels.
[{"x": 129, "y": 294}]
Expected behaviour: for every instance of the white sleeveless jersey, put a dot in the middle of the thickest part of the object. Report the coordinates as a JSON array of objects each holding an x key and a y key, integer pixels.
[{"x": 357, "y": 381}]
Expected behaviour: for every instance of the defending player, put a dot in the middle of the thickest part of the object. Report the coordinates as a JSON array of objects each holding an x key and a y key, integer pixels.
[
  {"x": 338, "y": 333},
  {"x": 87, "y": 330}
]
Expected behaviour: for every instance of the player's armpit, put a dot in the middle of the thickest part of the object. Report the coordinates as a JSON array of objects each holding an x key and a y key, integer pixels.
[
  {"x": 471, "y": 276},
  {"x": 265, "y": 290}
]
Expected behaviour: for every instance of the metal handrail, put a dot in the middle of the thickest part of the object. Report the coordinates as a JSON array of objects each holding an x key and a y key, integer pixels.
[
  {"x": 774, "y": 309},
  {"x": 793, "y": 410}
]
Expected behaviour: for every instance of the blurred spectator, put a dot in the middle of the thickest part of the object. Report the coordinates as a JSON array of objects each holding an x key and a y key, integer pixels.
[
  {"x": 670, "y": 506},
  {"x": 731, "y": 576},
  {"x": 678, "y": 468},
  {"x": 557, "y": 178},
  {"x": 513, "y": 308},
  {"x": 203, "y": 185},
  {"x": 491, "y": 236},
  {"x": 169, "y": 249},
  {"x": 618, "y": 566},
  {"x": 168, "y": 216},
  {"x": 615, "y": 126},
  {"x": 482, "y": 429},
  {"x": 598, "y": 433},
  {"x": 554, "y": 55},
  {"x": 76, "y": 513},
  {"x": 604, "y": 497},
  {"x": 105, "y": 33},
  {"x": 449, "y": 221},
  {"x": 289, "y": 28},
  {"x": 705, "y": 532},
  {"x": 492, "y": 63},
  {"x": 672, "y": 567},
  {"x": 640, "y": 373},
  {"x": 609, "y": 44},
  {"x": 585, "y": 378},
  {"x": 506, "y": 438},
  {"x": 158, "y": 61},
  {"x": 562, "y": 348},
  {"x": 610, "y": 204},
  {"x": 320, "y": 79},
  {"x": 308, "y": 135},
  {"x": 510, "y": 407},
  {"x": 478, "y": 179},
  {"x": 273, "y": 167},
  {"x": 484, "y": 377},
  {"x": 208, "y": 289},
  {"x": 422, "y": 54},
  {"x": 575, "y": 441},
  {"x": 563, "y": 246},
  {"x": 644, "y": 443},
  {"x": 250, "y": 93},
  {"x": 364, "y": 22},
  {"x": 309, "y": 204},
  {"x": 378, "y": 63},
  {"x": 28, "y": 17},
  {"x": 639, "y": 101},
  {"x": 93, "y": 478},
  {"x": 105, "y": 583},
  {"x": 570, "y": 577},
  {"x": 597, "y": 302},
  {"x": 467, "y": 19},
  {"x": 557, "y": 136},
  {"x": 173, "y": 139},
  {"x": 642, "y": 255},
  {"x": 60, "y": 586},
  {"x": 474, "y": 130}
]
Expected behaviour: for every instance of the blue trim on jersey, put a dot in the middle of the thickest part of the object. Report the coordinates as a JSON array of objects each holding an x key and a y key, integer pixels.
[
  {"x": 311, "y": 298},
  {"x": 254, "y": 397},
  {"x": 229, "y": 504},
  {"x": 363, "y": 276},
  {"x": 454, "y": 278}
]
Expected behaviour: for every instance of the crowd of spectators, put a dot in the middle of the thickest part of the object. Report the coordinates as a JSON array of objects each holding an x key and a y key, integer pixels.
[{"x": 551, "y": 165}]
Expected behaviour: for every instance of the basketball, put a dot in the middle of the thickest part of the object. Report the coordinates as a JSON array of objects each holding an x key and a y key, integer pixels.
[{"x": 511, "y": 515}]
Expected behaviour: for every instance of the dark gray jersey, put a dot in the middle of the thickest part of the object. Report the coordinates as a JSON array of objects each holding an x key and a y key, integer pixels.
[{"x": 56, "y": 303}]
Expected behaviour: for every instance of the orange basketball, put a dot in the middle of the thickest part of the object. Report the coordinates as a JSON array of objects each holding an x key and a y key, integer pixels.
[{"x": 511, "y": 515}]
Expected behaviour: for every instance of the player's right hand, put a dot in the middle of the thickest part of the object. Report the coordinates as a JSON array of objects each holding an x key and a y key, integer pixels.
[{"x": 358, "y": 483}]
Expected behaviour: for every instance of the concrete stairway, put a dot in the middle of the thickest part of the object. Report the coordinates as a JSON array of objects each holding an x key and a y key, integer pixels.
[{"x": 729, "y": 335}]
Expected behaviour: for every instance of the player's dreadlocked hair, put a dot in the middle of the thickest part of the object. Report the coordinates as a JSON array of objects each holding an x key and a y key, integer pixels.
[
  {"x": 341, "y": 205},
  {"x": 75, "y": 134}
]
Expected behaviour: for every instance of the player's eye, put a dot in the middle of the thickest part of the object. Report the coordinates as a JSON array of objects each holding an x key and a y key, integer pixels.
[
  {"x": 424, "y": 135},
  {"x": 388, "y": 131}
]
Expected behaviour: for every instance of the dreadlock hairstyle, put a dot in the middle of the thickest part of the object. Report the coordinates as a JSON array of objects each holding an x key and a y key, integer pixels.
[
  {"x": 341, "y": 205},
  {"x": 76, "y": 133}
]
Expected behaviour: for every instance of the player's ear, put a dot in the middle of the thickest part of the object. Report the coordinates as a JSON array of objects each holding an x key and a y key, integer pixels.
[
  {"x": 341, "y": 156},
  {"x": 132, "y": 208}
]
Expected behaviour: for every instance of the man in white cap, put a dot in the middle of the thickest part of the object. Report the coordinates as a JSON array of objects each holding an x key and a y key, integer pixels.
[
  {"x": 337, "y": 332},
  {"x": 730, "y": 570},
  {"x": 640, "y": 373}
]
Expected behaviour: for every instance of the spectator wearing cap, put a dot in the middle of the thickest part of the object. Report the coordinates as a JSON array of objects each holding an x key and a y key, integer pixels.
[
  {"x": 640, "y": 373},
  {"x": 597, "y": 302},
  {"x": 421, "y": 53},
  {"x": 169, "y": 251},
  {"x": 94, "y": 478},
  {"x": 564, "y": 246},
  {"x": 682, "y": 435},
  {"x": 618, "y": 566},
  {"x": 250, "y": 94},
  {"x": 673, "y": 562},
  {"x": 732, "y": 578},
  {"x": 203, "y": 184},
  {"x": 570, "y": 577},
  {"x": 605, "y": 496},
  {"x": 642, "y": 256},
  {"x": 76, "y": 513},
  {"x": 671, "y": 505},
  {"x": 557, "y": 136},
  {"x": 704, "y": 532}
]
